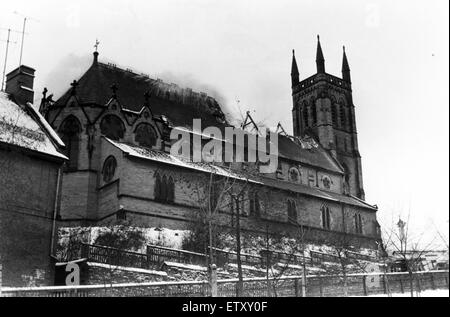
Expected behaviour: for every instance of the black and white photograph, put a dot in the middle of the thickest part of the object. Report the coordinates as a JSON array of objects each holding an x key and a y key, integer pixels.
[{"x": 238, "y": 150}]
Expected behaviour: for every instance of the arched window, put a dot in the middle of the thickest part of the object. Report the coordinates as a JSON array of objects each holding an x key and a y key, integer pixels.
[
  {"x": 326, "y": 217},
  {"x": 145, "y": 135},
  {"x": 306, "y": 115},
  {"x": 343, "y": 116},
  {"x": 164, "y": 189},
  {"x": 70, "y": 134},
  {"x": 358, "y": 224},
  {"x": 255, "y": 207},
  {"x": 334, "y": 114},
  {"x": 112, "y": 127},
  {"x": 314, "y": 114},
  {"x": 292, "y": 211},
  {"x": 163, "y": 197},
  {"x": 109, "y": 169},
  {"x": 294, "y": 175}
]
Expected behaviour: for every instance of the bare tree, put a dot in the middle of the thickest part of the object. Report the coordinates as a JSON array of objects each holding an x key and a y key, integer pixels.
[
  {"x": 341, "y": 245},
  {"x": 297, "y": 250},
  {"x": 409, "y": 248}
]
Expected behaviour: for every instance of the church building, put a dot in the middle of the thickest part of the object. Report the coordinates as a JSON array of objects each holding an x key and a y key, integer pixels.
[{"x": 116, "y": 126}]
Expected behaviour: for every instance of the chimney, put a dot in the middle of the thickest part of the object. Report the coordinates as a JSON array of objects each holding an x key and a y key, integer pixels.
[{"x": 19, "y": 84}]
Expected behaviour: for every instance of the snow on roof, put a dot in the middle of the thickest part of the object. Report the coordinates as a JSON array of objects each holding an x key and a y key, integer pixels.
[
  {"x": 47, "y": 126},
  {"x": 167, "y": 158},
  {"x": 18, "y": 127}
]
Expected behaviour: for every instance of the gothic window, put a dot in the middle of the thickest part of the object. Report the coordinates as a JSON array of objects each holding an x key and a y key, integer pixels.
[
  {"x": 164, "y": 189},
  {"x": 255, "y": 207},
  {"x": 145, "y": 135},
  {"x": 326, "y": 217},
  {"x": 70, "y": 134},
  {"x": 306, "y": 115},
  {"x": 163, "y": 197},
  {"x": 109, "y": 169},
  {"x": 112, "y": 127},
  {"x": 314, "y": 114},
  {"x": 358, "y": 224},
  {"x": 343, "y": 116},
  {"x": 294, "y": 175},
  {"x": 292, "y": 211},
  {"x": 334, "y": 114}
]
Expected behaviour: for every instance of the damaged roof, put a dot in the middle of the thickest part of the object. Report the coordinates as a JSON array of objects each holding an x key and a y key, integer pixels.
[
  {"x": 307, "y": 151},
  {"x": 179, "y": 105}
]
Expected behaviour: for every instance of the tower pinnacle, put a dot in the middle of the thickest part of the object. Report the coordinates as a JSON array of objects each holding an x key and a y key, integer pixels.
[
  {"x": 294, "y": 71},
  {"x": 320, "y": 61},
  {"x": 345, "y": 68}
]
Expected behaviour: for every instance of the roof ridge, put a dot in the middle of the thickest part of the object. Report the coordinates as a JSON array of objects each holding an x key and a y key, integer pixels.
[{"x": 157, "y": 80}]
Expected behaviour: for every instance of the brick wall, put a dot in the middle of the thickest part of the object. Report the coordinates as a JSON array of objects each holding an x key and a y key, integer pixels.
[{"x": 27, "y": 197}]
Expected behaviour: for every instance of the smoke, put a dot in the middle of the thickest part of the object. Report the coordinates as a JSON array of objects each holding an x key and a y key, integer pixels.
[
  {"x": 185, "y": 80},
  {"x": 66, "y": 70}
]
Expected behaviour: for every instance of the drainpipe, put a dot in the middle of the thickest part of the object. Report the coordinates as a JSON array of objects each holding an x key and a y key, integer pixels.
[{"x": 52, "y": 244}]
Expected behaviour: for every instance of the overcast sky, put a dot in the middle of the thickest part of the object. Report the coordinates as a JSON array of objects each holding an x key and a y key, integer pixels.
[{"x": 241, "y": 50}]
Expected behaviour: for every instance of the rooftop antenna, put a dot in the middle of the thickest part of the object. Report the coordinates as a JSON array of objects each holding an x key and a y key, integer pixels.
[
  {"x": 25, "y": 18},
  {"x": 6, "y": 54}
]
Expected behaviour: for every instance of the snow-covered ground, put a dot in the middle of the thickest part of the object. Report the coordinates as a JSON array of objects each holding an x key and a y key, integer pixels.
[
  {"x": 157, "y": 236},
  {"x": 428, "y": 293},
  {"x": 129, "y": 269}
]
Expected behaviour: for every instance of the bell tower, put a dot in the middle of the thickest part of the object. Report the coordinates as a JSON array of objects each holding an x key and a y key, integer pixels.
[{"x": 323, "y": 107}]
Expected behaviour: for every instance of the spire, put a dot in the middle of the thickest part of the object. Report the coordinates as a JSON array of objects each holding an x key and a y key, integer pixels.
[
  {"x": 294, "y": 71},
  {"x": 320, "y": 61},
  {"x": 345, "y": 68}
]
